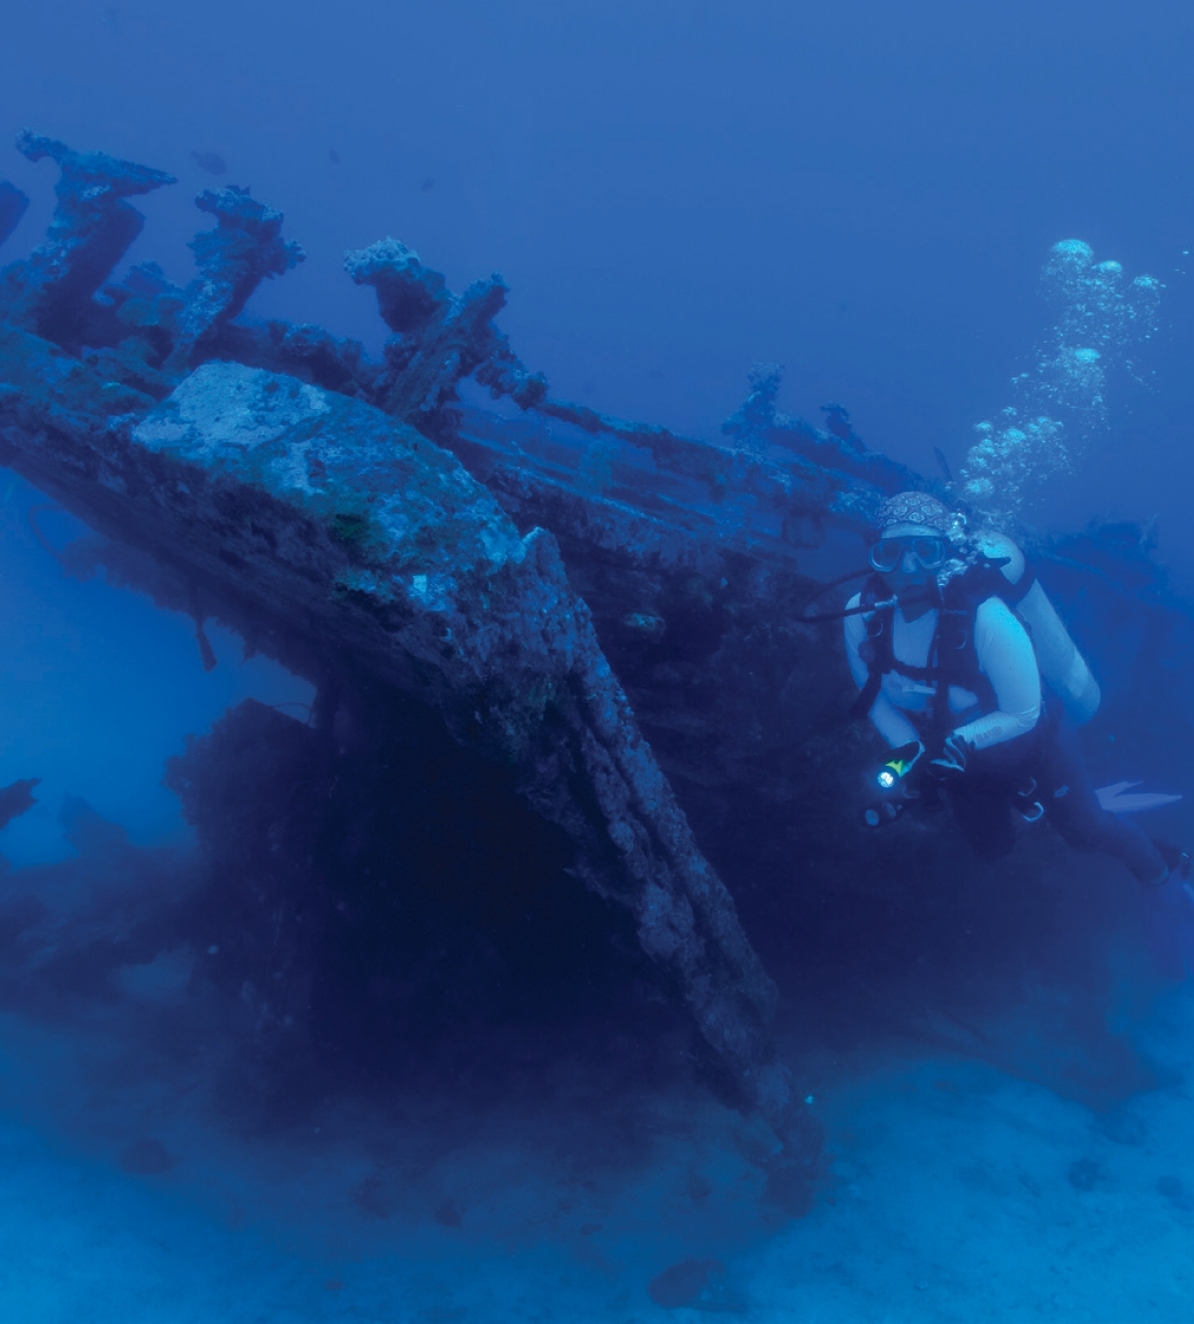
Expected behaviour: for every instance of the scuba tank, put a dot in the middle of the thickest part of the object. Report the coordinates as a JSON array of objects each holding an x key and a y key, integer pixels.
[{"x": 1062, "y": 666}]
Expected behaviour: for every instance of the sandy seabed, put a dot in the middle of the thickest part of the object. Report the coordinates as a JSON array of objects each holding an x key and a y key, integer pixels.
[{"x": 957, "y": 1193}]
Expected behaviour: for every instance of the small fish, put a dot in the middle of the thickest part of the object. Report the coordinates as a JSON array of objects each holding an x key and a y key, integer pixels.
[
  {"x": 146, "y": 1157},
  {"x": 207, "y": 653},
  {"x": 1113, "y": 798},
  {"x": 212, "y": 162},
  {"x": 427, "y": 185},
  {"x": 16, "y": 799},
  {"x": 681, "y": 1284},
  {"x": 333, "y": 156}
]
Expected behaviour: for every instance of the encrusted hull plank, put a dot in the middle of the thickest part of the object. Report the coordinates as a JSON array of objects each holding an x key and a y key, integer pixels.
[{"x": 349, "y": 534}]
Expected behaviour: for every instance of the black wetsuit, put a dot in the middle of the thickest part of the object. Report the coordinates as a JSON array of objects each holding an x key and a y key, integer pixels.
[{"x": 1001, "y": 779}]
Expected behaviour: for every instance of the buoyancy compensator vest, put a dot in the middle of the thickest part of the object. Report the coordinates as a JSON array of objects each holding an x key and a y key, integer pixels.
[{"x": 1000, "y": 571}]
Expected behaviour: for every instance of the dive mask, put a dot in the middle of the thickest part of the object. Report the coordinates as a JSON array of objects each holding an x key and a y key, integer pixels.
[{"x": 930, "y": 553}]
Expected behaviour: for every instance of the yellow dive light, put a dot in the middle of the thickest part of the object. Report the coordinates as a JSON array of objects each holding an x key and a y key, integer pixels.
[{"x": 898, "y": 765}]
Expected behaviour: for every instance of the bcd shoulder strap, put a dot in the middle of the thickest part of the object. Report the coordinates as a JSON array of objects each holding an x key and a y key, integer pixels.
[
  {"x": 953, "y": 659},
  {"x": 875, "y": 650}
]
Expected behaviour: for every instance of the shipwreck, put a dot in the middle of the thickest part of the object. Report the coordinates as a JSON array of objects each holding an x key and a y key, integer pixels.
[{"x": 602, "y": 613}]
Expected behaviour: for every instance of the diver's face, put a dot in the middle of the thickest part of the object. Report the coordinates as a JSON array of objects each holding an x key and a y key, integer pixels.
[
  {"x": 910, "y": 573},
  {"x": 909, "y": 561}
]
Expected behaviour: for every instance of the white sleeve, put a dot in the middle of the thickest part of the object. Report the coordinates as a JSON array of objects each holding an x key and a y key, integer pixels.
[
  {"x": 887, "y": 719},
  {"x": 1006, "y": 658}
]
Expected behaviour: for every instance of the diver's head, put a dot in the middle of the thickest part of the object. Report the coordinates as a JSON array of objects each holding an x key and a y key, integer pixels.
[{"x": 913, "y": 540}]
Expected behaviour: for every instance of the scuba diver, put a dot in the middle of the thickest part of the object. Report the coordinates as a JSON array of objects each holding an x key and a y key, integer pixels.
[{"x": 949, "y": 642}]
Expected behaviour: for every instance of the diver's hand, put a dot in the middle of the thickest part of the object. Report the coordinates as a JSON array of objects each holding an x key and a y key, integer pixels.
[
  {"x": 894, "y": 783},
  {"x": 954, "y": 758}
]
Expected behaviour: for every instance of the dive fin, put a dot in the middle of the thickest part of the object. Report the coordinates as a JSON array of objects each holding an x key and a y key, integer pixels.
[{"x": 1113, "y": 798}]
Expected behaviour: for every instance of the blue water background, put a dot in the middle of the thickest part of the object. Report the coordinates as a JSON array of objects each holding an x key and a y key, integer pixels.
[
  {"x": 863, "y": 192},
  {"x": 860, "y": 191}
]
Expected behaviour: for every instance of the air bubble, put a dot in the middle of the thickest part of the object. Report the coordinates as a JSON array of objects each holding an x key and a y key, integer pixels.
[{"x": 1099, "y": 322}]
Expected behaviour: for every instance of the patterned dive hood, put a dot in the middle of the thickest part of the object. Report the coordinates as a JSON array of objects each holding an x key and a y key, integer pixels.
[
  {"x": 915, "y": 508},
  {"x": 910, "y": 513}
]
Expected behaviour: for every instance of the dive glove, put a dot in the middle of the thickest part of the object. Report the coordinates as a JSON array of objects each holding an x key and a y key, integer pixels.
[{"x": 954, "y": 757}]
